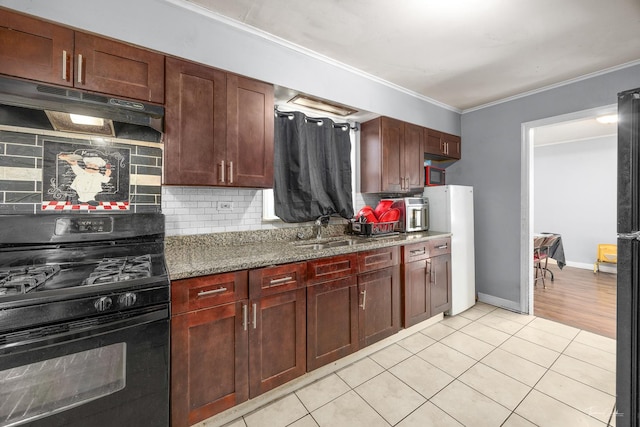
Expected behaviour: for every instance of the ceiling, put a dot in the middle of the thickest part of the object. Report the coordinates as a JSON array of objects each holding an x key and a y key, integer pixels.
[
  {"x": 461, "y": 53},
  {"x": 573, "y": 131}
]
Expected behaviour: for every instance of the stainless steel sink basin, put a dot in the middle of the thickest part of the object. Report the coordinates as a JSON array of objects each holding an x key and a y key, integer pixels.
[{"x": 326, "y": 244}]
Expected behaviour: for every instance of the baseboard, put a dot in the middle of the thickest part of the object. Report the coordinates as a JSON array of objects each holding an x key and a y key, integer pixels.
[
  {"x": 605, "y": 268},
  {"x": 499, "y": 302}
]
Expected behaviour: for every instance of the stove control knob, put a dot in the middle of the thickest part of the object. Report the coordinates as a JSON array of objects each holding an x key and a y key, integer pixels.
[
  {"x": 127, "y": 299},
  {"x": 103, "y": 304}
]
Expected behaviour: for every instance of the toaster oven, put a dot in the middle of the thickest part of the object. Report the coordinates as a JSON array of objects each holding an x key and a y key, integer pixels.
[{"x": 414, "y": 213}]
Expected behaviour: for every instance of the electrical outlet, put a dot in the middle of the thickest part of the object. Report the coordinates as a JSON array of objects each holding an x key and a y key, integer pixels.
[{"x": 225, "y": 206}]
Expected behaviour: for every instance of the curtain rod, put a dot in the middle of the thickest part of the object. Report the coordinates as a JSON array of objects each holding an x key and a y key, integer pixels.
[{"x": 290, "y": 115}]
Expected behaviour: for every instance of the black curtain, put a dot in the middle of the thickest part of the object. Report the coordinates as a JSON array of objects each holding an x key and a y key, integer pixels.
[{"x": 312, "y": 168}]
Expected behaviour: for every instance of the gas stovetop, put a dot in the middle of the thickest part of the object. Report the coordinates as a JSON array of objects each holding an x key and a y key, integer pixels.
[
  {"x": 61, "y": 268},
  {"x": 20, "y": 280}
]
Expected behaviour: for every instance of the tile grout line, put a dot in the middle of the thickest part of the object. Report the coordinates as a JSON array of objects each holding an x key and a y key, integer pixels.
[{"x": 476, "y": 361}]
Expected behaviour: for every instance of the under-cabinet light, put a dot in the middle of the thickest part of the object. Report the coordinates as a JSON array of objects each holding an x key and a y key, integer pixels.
[{"x": 322, "y": 105}]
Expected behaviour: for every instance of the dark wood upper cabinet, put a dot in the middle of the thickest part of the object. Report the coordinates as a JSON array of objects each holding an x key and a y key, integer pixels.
[
  {"x": 382, "y": 156},
  {"x": 107, "y": 66},
  {"x": 391, "y": 156},
  {"x": 442, "y": 145},
  {"x": 195, "y": 123},
  {"x": 218, "y": 128},
  {"x": 38, "y": 50},
  {"x": 413, "y": 156},
  {"x": 249, "y": 132}
]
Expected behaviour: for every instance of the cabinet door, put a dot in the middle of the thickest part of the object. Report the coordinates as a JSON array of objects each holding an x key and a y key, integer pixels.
[
  {"x": 416, "y": 293},
  {"x": 332, "y": 321},
  {"x": 392, "y": 154},
  {"x": 379, "y": 305},
  {"x": 413, "y": 156},
  {"x": 115, "y": 68},
  {"x": 277, "y": 340},
  {"x": 209, "y": 362},
  {"x": 249, "y": 132},
  {"x": 195, "y": 124},
  {"x": 452, "y": 145},
  {"x": 440, "y": 283},
  {"x": 34, "y": 49},
  {"x": 434, "y": 144}
]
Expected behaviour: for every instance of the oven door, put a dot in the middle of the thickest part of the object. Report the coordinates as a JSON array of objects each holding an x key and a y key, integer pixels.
[{"x": 105, "y": 371}]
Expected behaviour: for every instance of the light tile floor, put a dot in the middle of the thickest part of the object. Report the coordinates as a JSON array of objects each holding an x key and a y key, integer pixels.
[{"x": 484, "y": 367}]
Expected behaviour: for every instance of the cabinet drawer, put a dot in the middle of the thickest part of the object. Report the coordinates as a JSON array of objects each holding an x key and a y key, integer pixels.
[
  {"x": 208, "y": 291},
  {"x": 378, "y": 259},
  {"x": 416, "y": 251},
  {"x": 320, "y": 270},
  {"x": 440, "y": 246},
  {"x": 272, "y": 280}
]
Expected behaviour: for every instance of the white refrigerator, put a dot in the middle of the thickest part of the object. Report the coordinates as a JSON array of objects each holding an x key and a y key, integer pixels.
[{"x": 451, "y": 210}]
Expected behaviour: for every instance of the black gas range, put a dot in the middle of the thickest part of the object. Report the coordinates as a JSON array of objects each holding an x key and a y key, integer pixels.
[{"x": 84, "y": 320}]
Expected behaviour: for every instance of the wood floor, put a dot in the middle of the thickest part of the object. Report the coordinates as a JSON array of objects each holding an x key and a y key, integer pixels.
[{"x": 578, "y": 298}]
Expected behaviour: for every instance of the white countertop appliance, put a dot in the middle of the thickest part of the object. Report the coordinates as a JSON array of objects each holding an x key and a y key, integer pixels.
[{"x": 451, "y": 210}]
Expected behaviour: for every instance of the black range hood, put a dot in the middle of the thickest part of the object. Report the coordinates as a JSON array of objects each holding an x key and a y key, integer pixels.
[{"x": 31, "y": 105}]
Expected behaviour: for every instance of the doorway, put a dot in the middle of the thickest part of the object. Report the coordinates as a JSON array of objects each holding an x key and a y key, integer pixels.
[{"x": 561, "y": 135}]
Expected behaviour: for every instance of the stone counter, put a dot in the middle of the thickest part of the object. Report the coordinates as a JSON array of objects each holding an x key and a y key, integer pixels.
[{"x": 200, "y": 255}]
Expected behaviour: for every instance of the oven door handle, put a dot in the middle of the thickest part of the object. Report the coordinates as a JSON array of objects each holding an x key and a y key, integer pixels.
[{"x": 48, "y": 335}]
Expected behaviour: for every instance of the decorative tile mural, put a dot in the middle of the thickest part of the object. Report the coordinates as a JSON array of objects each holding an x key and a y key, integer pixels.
[{"x": 47, "y": 172}]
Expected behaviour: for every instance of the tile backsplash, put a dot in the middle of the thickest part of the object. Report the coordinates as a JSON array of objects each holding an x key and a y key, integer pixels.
[
  {"x": 29, "y": 170},
  {"x": 199, "y": 210}
]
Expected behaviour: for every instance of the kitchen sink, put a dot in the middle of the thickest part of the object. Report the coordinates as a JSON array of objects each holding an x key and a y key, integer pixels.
[{"x": 327, "y": 244}]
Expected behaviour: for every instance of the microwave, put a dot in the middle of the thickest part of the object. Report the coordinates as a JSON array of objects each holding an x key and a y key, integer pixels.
[{"x": 433, "y": 176}]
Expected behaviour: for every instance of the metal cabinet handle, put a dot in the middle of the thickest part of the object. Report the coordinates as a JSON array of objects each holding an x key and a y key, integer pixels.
[
  {"x": 64, "y": 65},
  {"x": 230, "y": 172},
  {"x": 222, "y": 171},
  {"x": 212, "y": 291},
  {"x": 255, "y": 316},
  {"x": 418, "y": 252},
  {"x": 244, "y": 316},
  {"x": 364, "y": 299},
  {"x": 80, "y": 62},
  {"x": 429, "y": 271},
  {"x": 445, "y": 246},
  {"x": 276, "y": 282}
]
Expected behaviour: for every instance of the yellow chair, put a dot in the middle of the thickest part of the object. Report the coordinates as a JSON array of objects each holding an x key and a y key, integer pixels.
[{"x": 606, "y": 253}]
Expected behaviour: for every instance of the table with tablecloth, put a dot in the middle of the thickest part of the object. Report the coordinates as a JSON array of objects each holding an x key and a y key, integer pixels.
[{"x": 553, "y": 241}]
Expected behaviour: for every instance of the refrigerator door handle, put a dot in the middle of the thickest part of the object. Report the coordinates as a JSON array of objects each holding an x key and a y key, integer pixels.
[{"x": 629, "y": 236}]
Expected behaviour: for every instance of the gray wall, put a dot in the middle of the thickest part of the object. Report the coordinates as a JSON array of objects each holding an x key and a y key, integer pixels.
[
  {"x": 168, "y": 28},
  {"x": 491, "y": 162},
  {"x": 575, "y": 195}
]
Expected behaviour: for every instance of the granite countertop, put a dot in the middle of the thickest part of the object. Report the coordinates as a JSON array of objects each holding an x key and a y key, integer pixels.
[{"x": 191, "y": 256}]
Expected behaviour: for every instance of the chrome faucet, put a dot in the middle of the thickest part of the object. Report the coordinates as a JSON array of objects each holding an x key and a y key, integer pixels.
[{"x": 322, "y": 221}]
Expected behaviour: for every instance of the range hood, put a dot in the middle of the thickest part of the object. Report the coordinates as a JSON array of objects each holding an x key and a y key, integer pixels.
[{"x": 34, "y": 105}]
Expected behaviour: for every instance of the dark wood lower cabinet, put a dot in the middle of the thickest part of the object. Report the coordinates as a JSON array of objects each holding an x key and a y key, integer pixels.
[
  {"x": 209, "y": 351},
  {"x": 416, "y": 292},
  {"x": 332, "y": 321},
  {"x": 379, "y": 306},
  {"x": 277, "y": 340},
  {"x": 237, "y": 335},
  {"x": 440, "y": 283},
  {"x": 426, "y": 280}
]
